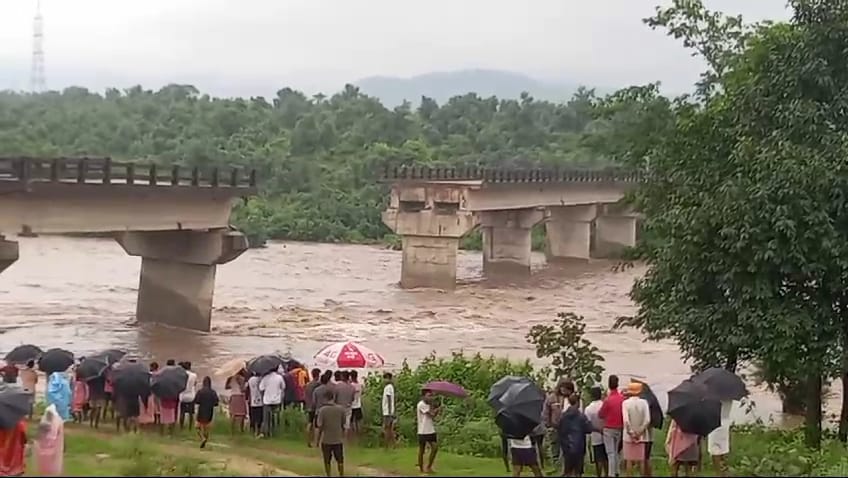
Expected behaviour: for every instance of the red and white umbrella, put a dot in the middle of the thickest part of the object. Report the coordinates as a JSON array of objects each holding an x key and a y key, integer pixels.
[{"x": 348, "y": 355}]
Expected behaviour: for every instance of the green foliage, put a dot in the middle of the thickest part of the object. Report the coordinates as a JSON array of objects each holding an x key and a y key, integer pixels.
[
  {"x": 571, "y": 354},
  {"x": 317, "y": 157},
  {"x": 746, "y": 200},
  {"x": 465, "y": 426}
]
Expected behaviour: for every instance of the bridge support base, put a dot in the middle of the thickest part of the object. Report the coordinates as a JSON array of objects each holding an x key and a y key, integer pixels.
[
  {"x": 614, "y": 232},
  {"x": 429, "y": 262},
  {"x": 178, "y": 268},
  {"x": 569, "y": 232},
  {"x": 507, "y": 240},
  {"x": 430, "y": 220},
  {"x": 8, "y": 253}
]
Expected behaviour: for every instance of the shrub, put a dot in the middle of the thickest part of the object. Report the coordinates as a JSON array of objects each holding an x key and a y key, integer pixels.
[{"x": 465, "y": 426}]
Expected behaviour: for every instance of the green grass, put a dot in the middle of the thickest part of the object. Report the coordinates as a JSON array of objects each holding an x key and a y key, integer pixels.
[{"x": 756, "y": 451}]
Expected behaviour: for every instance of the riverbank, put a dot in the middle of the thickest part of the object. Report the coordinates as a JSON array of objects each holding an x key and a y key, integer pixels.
[{"x": 756, "y": 452}]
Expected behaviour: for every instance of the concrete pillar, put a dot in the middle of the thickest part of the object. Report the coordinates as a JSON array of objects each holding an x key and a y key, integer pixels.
[
  {"x": 569, "y": 232},
  {"x": 8, "y": 253},
  {"x": 615, "y": 230},
  {"x": 177, "y": 279},
  {"x": 507, "y": 240},
  {"x": 430, "y": 219}
]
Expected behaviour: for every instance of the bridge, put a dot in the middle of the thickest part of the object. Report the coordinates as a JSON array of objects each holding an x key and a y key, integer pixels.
[
  {"x": 432, "y": 208},
  {"x": 176, "y": 219}
]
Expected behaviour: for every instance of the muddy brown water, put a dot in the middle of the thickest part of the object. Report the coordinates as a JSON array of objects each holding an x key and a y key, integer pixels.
[{"x": 79, "y": 293}]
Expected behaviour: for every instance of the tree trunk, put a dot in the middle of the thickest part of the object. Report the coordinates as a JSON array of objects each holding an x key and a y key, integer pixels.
[
  {"x": 732, "y": 362},
  {"x": 792, "y": 398},
  {"x": 813, "y": 415}
]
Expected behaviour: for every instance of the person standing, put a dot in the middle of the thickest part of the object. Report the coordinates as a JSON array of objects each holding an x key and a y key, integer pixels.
[
  {"x": 356, "y": 406},
  {"x": 13, "y": 450},
  {"x": 273, "y": 389},
  {"x": 168, "y": 409},
  {"x": 96, "y": 401},
  {"x": 255, "y": 402},
  {"x": 613, "y": 419},
  {"x": 555, "y": 403},
  {"x": 29, "y": 382},
  {"x": 636, "y": 416},
  {"x": 388, "y": 405},
  {"x": 344, "y": 398},
  {"x": 598, "y": 451},
  {"x": 426, "y": 413},
  {"x": 206, "y": 399},
  {"x": 187, "y": 396},
  {"x": 49, "y": 446},
  {"x": 80, "y": 398},
  {"x": 572, "y": 430},
  {"x": 59, "y": 394},
  {"x": 682, "y": 449},
  {"x": 718, "y": 441},
  {"x": 524, "y": 455},
  {"x": 330, "y": 425},
  {"x": 309, "y": 401},
  {"x": 237, "y": 405}
]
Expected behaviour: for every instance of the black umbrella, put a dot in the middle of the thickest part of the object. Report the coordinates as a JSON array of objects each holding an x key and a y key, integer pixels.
[
  {"x": 514, "y": 426},
  {"x": 264, "y": 364},
  {"x": 14, "y": 405},
  {"x": 169, "y": 382},
  {"x": 23, "y": 354},
  {"x": 722, "y": 383},
  {"x": 500, "y": 387},
  {"x": 113, "y": 355},
  {"x": 694, "y": 408},
  {"x": 653, "y": 404},
  {"x": 131, "y": 379},
  {"x": 55, "y": 360},
  {"x": 521, "y": 408},
  {"x": 93, "y": 367}
]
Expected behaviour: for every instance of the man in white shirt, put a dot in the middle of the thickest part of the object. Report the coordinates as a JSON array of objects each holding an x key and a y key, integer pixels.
[
  {"x": 426, "y": 412},
  {"x": 388, "y": 410},
  {"x": 187, "y": 396},
  {"x": 718, "y": 441},
  {"x": 256, "y": 413},
  {"x": 599, "y": 451},
  {"x": 273, "y": 388}
]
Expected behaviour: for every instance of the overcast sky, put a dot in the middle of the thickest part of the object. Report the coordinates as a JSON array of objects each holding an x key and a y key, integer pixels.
[{"x": 254, "y": 46}]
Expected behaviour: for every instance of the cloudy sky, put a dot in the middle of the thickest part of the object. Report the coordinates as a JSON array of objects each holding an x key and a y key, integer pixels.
[{"x": 254, "y": 46}]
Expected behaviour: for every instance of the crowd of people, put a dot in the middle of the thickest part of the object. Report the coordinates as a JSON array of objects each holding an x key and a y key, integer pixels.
[{"x": 616, "y": 432}]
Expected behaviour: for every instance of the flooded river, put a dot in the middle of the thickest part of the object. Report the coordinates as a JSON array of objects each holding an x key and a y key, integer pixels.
[{"x": 80, "y": 294}]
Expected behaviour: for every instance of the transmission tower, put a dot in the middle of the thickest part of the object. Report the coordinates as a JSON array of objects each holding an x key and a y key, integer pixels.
[{"x": 38, "y": 82}]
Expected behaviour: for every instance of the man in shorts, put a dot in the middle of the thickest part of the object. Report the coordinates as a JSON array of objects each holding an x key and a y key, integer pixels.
[
  {"x": 330, "y": 424},
  {"x": 718, "y": 441},
  {"x": 426, "y": 414},
  {"x": 388, "y": 411}
]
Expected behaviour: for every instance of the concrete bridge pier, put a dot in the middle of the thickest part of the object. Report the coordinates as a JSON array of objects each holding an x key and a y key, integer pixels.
[
  {"x": 8, "y": 253},
  {"x": 431, "y": 220},
  {"x": 569, "y": 232},
  {"x": 507, "y": 240},
  {"x": 178, "y": 273},
  {"x": 615, "y": 230}
]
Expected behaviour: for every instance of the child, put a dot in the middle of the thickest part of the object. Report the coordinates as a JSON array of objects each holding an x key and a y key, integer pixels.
[
  {"x": 206, "y": 400},
  {"x": 80, "y": 399}
]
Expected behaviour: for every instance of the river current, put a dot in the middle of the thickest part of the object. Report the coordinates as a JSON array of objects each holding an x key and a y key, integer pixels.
[{"x": 80, "y": 294}]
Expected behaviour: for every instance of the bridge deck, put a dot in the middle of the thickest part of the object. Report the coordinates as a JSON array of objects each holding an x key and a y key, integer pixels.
[
  {"x": 46, "y": 174},
  {"x": 416, "y": 174}
]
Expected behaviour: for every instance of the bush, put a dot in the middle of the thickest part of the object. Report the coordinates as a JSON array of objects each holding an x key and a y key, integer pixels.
[{"x": 465, "y": 426}]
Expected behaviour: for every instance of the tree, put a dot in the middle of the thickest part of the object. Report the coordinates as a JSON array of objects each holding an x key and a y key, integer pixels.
[
  {"x": 571, "y": 354},
  {"x": 747, "y": 196}
]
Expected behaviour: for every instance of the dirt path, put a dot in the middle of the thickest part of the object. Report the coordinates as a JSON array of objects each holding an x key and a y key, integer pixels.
[
  {"x": 226, "y": 460},
  {"x": 226, "y": 457}
]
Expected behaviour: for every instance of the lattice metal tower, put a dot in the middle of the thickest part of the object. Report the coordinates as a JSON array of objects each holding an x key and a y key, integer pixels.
[{"x": 38, "y": 82}]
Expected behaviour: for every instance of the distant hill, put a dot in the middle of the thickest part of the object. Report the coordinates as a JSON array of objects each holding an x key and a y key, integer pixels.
[{"x": 441, "y": 86}]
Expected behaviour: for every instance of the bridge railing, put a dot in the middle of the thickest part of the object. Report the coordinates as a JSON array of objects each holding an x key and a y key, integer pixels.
[
  {"x": 555, "y": 175},
  {"x": 87, "y": 170}
]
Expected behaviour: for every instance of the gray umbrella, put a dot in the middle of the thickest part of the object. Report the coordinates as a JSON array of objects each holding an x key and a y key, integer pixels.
[
  {"x": 500, "y": 387},
  {"x": 14, "y": 405},
  {"x": 723, "y": 384}
]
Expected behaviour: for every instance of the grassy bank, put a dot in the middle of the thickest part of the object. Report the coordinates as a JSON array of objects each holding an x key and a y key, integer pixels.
[{"x": 756, "y": 452}]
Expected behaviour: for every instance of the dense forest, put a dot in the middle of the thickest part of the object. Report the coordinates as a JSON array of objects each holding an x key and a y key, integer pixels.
[{"x": 317, "y": 158}]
